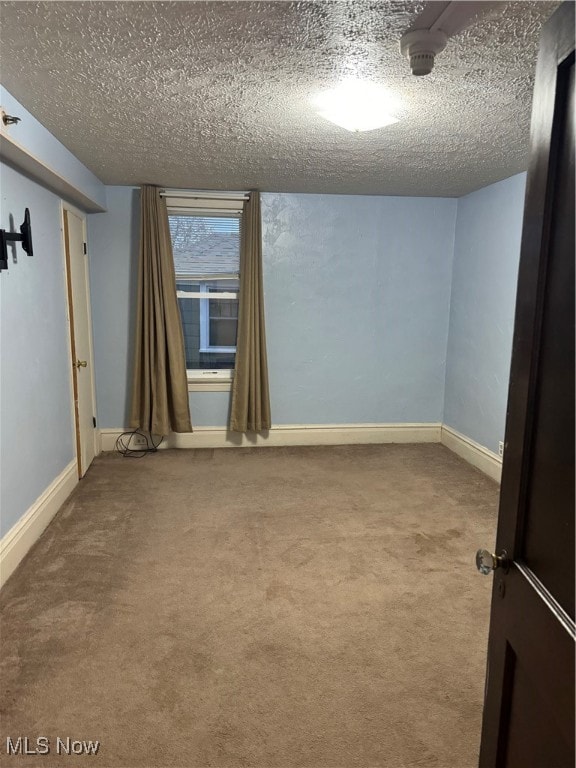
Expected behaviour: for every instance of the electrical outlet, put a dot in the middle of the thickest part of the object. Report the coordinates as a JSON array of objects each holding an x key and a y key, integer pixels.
[
  {"x": 139, "y": 440},
  {"x": 500, "y": 448}
]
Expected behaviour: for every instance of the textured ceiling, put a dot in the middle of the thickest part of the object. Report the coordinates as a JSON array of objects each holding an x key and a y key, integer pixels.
[{"x": 215, "y": 95}]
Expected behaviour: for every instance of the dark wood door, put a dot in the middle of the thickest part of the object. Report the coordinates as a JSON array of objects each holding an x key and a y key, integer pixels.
[{"x": 529, "y": 705}]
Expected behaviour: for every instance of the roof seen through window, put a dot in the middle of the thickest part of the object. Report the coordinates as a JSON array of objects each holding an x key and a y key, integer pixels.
[{"x": 205, "y": 245}]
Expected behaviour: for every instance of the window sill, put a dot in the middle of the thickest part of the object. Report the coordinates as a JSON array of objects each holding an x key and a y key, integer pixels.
[
  {"x": 209, "y": 385},
  {"x": 218, "y": 350}
]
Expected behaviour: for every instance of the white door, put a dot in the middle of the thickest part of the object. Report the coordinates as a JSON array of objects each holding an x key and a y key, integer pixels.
[{"x": 80, "y": 336}]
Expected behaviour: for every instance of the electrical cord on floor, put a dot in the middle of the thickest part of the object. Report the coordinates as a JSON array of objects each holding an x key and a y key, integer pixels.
[{"x": 125, "y": 444}]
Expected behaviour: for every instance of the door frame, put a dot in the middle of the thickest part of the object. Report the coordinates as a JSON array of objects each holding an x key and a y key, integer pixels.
[{"x": 65, "y": 206}]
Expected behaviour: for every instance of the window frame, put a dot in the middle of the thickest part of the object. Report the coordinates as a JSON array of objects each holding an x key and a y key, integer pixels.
[
  {"x": 199, "y": 377},
  {"x": 205, "y": 345},
  {"x": 190, "y": 203}
]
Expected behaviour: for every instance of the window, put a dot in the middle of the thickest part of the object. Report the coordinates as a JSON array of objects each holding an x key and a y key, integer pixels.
[
  {"x": 206, "y": 248},
  {"x": 218, "y": 317}
]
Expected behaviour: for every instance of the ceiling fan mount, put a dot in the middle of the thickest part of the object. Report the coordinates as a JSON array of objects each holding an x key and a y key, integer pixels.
[
  {"x": 438, "y": 22},
  {"x": 421, "y": 47}
]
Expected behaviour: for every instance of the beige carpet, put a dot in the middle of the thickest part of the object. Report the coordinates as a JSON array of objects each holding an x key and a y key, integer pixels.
[{"x": 256, "y": 607}]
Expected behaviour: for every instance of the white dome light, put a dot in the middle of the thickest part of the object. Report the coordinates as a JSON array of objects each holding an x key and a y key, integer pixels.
[{"x": 357, "y": 105}]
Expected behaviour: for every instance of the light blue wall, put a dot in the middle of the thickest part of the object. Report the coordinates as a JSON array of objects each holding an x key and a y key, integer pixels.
[
  {"x": 36, "y": 426},
  {"x": 486, "y": 256},
  {"x": 37, "y": 140},
  {"x": 210, "y": 409},
  {"x": 357, "y": 296},
  {"x": 357, "y": 292},
  {"x": 113, "y": 257}
]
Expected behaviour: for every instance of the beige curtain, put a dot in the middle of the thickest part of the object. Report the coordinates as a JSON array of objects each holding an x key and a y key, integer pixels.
[
  {"x": 250, "y": 410},
  {"x": 160, "y": 387}
]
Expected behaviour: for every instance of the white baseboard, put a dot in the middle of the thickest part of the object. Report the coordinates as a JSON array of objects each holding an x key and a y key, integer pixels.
[
  {"x": 330, "y": 434},
  {"x": 19, "y": 539},
  {"x": 293, "y": 434},
  {"x": 472, "y": 452}
]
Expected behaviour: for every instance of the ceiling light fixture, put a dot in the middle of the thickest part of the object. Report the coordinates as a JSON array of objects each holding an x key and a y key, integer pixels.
[{"x": 357, "y": 105}]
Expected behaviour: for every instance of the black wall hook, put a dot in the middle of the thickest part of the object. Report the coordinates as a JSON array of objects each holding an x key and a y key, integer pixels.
[
  {"x": 25, "y": 237},
  {"x": 10, "y": 119}
]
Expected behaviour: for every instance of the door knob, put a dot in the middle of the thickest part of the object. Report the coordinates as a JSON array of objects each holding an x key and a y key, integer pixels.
[
  {"x": 486, "y": 562},
  {"x": 80, "y": 363}
]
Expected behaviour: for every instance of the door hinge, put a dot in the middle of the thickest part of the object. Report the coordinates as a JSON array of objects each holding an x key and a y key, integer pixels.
[
  {"x": 94, "y": 420},
  {"x": 85, "y": 248}
]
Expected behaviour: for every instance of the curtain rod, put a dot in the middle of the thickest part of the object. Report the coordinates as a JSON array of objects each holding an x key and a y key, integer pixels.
[{"x": 201, "y": 194}]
